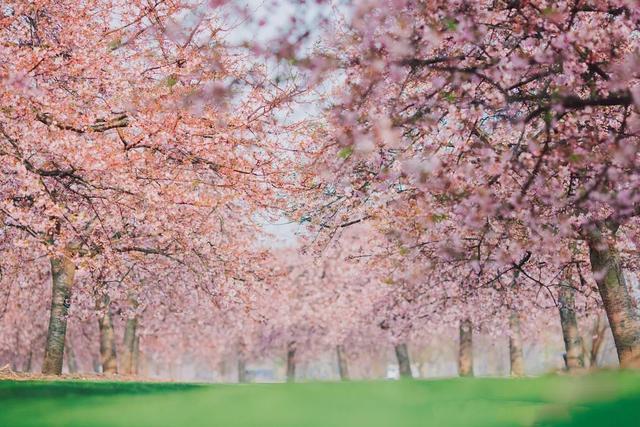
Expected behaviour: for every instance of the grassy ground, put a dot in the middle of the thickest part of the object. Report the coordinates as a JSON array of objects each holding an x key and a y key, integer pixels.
[{"x": 603, "y": 399}]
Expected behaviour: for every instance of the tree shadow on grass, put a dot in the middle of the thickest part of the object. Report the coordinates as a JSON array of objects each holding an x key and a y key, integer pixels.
[
  {"x": 56, "y": 389},
  {"x": 621, "y": 412}
]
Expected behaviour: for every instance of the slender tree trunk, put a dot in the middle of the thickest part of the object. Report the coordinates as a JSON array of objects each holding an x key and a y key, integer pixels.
[
  {"x": 242, "y": 361},
  {"x": 585, "y": 360},
  {"x": 15, "y": 358},
  {"x": 242, "y": 369},
  {"x": 62, "y": 272},
  {"x": 139, "y": 367},
  {"x": 597, "y": 339},
  {"x": 107, "y": 340},
  {"x": 129, "y": 343},
  {"x": 573, "y": 357},
  {"x": 515, "y": 346},
  {"x": 623, "y": 318},
  {"x": 72, "y": 364},
  {"x": 465, "y": 354},
  {"x": 291, "y": 362},
  {"x": 29, "y": 361},
  {"x": 404, "y": 363},
  {"x": 222, "y": 371},
  {"x": 343, "y": 367}
]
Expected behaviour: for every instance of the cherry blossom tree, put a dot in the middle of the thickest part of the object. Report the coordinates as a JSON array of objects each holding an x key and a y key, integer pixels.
[
  {"x": 131, "y": 132},
  {"x": 505, "y": 132},
  {"x": 451, "y": 165}
]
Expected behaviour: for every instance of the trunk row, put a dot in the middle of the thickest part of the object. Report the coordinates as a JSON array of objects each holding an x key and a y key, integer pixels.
[
  {"x": 623, "y": 319},
  {"x": 62, "y": 273}
]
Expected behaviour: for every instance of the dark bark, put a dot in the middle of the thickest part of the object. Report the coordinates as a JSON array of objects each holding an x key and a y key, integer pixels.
[
  {"x": 29, "y": 362},
  {"x": 623, "y": 318},
  {"x": 465, "y": 354},
  {"x": 242, "y": 369},
  {"x": 573, "y": 357},
  {"x": 343, "y": 367},
  {"x": 62, "y": 273},
  {"x": 404, "y": 362},
  {"x": 291, "y": 362}
]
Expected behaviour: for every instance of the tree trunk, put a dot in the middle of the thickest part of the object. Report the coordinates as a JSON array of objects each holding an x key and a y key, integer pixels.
[
  {"x": 242, "y": 361},
  {"x": 465, "y": 354},
  {"x": 222, "y": 371},
  {"x": 623, "y": 318},
  {"x": 128, "y": 344},
  {"x": 62, "y": 272},
  {"x": 107, "y": 340},
  {"x": 291, "y": 362},
  {"x": 139, "y": 368},
  {"x": 404, "y": 363},
  {"x": 343, "y": 367},
  {"x": 29, "y": 361},
  {"x": 597, "y": 339},
  {"x": 242, "y": 369},
  {"x": 72, "y": 364},
  {"x": 515, "y": 346},
  {"x": 573, "y": 357}
]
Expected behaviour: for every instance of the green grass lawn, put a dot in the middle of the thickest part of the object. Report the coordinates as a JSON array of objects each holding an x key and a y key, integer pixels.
[{"x": 603, "y": 399}]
